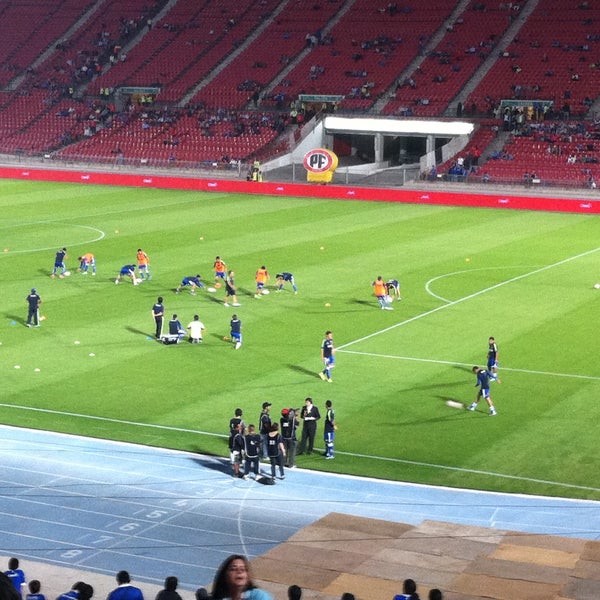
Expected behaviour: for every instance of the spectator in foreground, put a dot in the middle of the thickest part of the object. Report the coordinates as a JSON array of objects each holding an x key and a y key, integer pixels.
[
  {"x": 234, "y": 581},
  {"x": 125, "y": 591}
]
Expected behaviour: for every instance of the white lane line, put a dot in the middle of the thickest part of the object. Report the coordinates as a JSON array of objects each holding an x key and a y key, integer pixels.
[
  {"x": 461, "y": 364},
  {"x": 469, "y": 297}
]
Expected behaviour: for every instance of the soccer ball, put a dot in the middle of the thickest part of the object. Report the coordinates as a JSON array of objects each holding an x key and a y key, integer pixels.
[
  {"x": 265, "y": 292},
  {"x": 597, "y": 286},
  {"x": 67, "y": 273},
  {"x": 137, "y": 281},
  {"x": 212, "y": 290}
]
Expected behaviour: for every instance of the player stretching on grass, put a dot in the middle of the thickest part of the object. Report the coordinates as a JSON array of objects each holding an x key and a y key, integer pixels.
[
  {"x": 192, "y": 283},
  {"x": 483, "y": 381},
  {"x": 393, "y": 288},
  {"x": 282, "y": 278}
]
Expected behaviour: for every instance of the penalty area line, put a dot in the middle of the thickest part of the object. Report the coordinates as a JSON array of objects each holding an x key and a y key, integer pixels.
[
  {"x": 461, "y": 364},
  {"x": 469, "y": 297}
]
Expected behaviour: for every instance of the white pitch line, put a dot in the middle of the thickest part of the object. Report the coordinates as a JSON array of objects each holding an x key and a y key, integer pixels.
[
  {"x": 469, "y": 297},
  {"x": 461, "y": 364}
]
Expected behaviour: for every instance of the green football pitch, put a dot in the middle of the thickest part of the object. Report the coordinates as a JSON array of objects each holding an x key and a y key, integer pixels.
[{"x": 526, "y": 278}]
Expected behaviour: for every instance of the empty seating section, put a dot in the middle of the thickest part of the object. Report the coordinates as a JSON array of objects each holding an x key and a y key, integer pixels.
[
  {"x": 210, "y": 56},
  {"x": 268, "y": 55},
  {"x": 556, "y": 56},
  {"x": 186, "y": 45},
  {"x": 369, "y": 47},
  {"x": 188, "y": 136},
  {"x": 553, "y": 152},
  {"x": 34, "y": 26},
  {"x": 78, "y": 59},
  {"x": 467, "y": 42}
]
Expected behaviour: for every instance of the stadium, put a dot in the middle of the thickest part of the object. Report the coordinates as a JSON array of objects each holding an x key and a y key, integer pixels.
[{"x": 460, "y": 144}]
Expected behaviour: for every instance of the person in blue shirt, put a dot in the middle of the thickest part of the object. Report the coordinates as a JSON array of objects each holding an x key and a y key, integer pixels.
[
  {"x": 59, "y": 263},
  {"x": 176, "y": 328},
  {"x": 327, "y": 357},
  {"x": 284, "y": 277},
  {"x": 33, "y": 313},
  {"x": 79, "y": 591},
  {"x": 127, "y": 271},
  {"x": 492, "y": 358},
  {"x": 34, "y": 591},
  {"x": 393, "y": 288},
  {"x": 483, "y": 382},
  {"x": 330, "y": 429},
  {"x": 16, "y": 575},
  {"x": 125, "y": 591},
  {"x": 192, "y": 282},
  {"x": 236, "y": 331}
]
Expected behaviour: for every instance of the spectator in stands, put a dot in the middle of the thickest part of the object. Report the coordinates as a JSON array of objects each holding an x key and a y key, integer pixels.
[
  {"x": 435, "y": 594},
  {"x": 294, "y": 592},
  {"x": 125, "y": 591},
  {"x": 16, "y": 575},
  {"x": 169, "y": 592},
  {"x": 234, "y": 581},
  {"x": 409, "y": 591},
  {"x": 79, "y": 591},
  {"x": 7, "y": 589},
  {"x": 34, "y": 591}
]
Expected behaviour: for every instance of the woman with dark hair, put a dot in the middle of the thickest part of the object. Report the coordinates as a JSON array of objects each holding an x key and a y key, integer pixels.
[{"x": 233, "y": 581}]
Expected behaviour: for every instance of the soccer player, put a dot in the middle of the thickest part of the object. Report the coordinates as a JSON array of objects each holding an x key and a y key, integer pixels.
[
  {"x": 158, "y": 314},
  {"x": 176, "y": 328},
  {"x": 492, "y": 358},
  {"x": 236, "y": 331},
  {"x": 393, "y": 288},
  {"x": 284, "y": 277},
  {"x": 196, "y": 328},
  {"x": 143, "y": 261},
  {"x": 59, "y": 263},
  {"x": 192, "y": 282},
  {"x": 127, "y": 271},
  {"x": 380, "y": 291},
  {"x": 261, "y": 278},
  {"x": 483, "y": 381},
  {"x": 85, "y": 262},
  {"x": 231, "y": 290},
  {"x": 220, "y": 269},
  {"x": 330, "y": 429},
  {"x": 327, "y": 356},
  {"x": 33, "y": 302}
]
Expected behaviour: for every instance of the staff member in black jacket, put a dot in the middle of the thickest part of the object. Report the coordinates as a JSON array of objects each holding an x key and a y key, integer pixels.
[{"x": 310, "y": 415}]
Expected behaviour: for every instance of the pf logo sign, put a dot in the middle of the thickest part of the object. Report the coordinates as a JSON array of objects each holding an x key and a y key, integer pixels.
[{"x": 320, "y": 164}]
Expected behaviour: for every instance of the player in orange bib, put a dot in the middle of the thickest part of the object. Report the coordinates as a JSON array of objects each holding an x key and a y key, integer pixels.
[
  {"x": 85, "y": 262},
  {"x": 380, "y": 290},
  {"x": 220, "y": 270},
  {"x": 261, "y": 278},
  {"x": 143, "y": 261}
]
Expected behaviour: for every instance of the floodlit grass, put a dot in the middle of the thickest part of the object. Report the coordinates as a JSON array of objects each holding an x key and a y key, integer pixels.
[{"x": 526, "y": 278}]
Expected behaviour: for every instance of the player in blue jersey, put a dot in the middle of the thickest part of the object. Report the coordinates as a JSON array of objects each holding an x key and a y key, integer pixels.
[
  {"x": 236, "y": 331},
  {"x": 330, "y": 429},
  {"x": 284, "y": 277},
  {"x": 16, "y": 575},
  {"x": 192, "y": 282},
  {"x": 483, "y": 382},
  {"x": 327, "y": 356},
  {"x": 393, "y": 288},
  {"x": 127, "y": 271},
  {"x": 59, "y": 263},
  {"x": 492, "y": 358},
  {"x": 33, "y": 303}
]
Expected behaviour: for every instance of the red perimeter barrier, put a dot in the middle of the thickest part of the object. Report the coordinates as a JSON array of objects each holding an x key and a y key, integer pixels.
[{"x": 334, "y": 192}]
